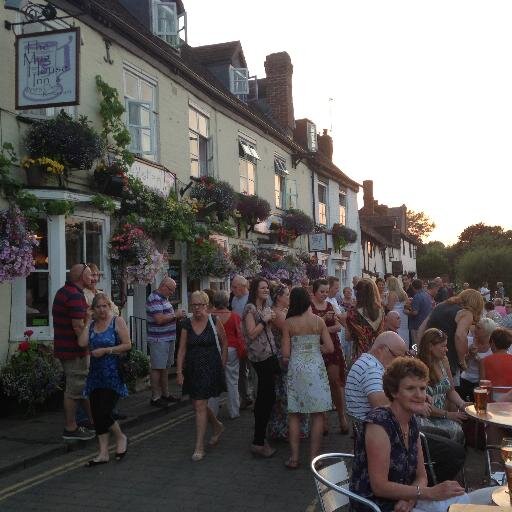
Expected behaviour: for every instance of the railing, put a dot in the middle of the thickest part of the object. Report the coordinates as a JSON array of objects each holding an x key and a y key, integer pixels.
[{"x": 138, "y": 333}]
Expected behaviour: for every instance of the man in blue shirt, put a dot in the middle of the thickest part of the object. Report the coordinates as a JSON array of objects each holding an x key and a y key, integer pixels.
[{"x": 421, "y": 306}]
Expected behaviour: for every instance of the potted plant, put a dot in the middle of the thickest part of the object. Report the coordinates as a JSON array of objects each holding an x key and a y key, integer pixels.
[
  {"x": 214, "y": 197},
  {"x": 245, "y": 261},
  {"x": 136, "y": 253},
  {"x": 252, "y": 210},
  {"x": 313, "y": 269},
  {"x": 341, "y": 236},
  {"x": 32, "y": 375},
  {"x": 43, "y": 171},
  {"x": 207, "y": 258},
  {"x": 17, "y": 243},
  {"x": 280, "y": 235},
  {"x": 74, "y": 144},
  {"x": 139, "y": 380},
  {"x": 297, "y": 222},
  {"x": 111, "y": 178}
]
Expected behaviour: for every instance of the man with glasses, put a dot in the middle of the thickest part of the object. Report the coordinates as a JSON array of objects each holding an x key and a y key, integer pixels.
[
  {"x": 364, "y": 391},
  {"x": 69, "y": 313},
  {"x": 161, "y": 337}
]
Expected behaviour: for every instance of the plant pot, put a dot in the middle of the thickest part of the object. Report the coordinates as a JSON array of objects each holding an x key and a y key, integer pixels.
[
  {"x": 37, "y": 177},
  {"x": 110, "y": 185}
]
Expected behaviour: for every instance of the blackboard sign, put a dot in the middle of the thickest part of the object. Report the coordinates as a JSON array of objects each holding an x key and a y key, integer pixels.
[{"x": 175, "y": 272}]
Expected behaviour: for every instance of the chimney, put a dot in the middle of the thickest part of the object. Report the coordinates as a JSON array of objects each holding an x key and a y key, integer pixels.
[
  {"x": 368, "y": 201},
  {"x": 325, "y": 145},
  {"x": 279, "y": 71}
]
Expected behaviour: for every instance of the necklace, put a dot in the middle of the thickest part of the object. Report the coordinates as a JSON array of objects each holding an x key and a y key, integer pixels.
[{"x": 405, "y": 434}]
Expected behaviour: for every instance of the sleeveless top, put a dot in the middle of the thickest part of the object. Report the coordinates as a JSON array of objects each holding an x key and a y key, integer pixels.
[
  {"x": 104, "y": 371},
  {"x": 403, "y": 459},
  {"x": 443, "y": 317},
  {"x": 438, "y": 391}
]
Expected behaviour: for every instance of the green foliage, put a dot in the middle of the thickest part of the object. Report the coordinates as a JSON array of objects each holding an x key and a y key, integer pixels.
[
  {"x": 73, "y": 143},
  {"x": 104, "y": 203},
  {"x": 298, "y": 222},
  {"x": 245, "y": 261},
  {"x": 8, "y": 185},
  {"x": 341, "y": 236},
  {"x": 489, "y": 264},
  {"x": 432, "y": 261},
  {"x": 480, "y": 235},
  {"x": 214, "y": 196},
  {"x": 252, "y": 210},
  {"x": 207, "y": 258},
  {"x": 59, "y": 207},
  {"x": 419, "y": 225},
  {"x": 115, "y": 134}
]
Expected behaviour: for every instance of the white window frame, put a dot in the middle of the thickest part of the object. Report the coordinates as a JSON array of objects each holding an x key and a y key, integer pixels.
[
  {"x": 135, "y": 148},
  {"x": 170, "y": 34},
  {"x": 247, "y": 156},
  {"x": 239, "y": 81},
  {"x": 280, "y": 178},
  {"x": 342, "y": 208},
  {"x": 323, "y": 205},
  {"x": 206, "y": 167},
  {"x": 56, "y": 270}
]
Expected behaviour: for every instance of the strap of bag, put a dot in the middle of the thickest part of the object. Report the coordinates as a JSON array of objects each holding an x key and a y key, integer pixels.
[
  {"x": 268, "y": 339},
  {"x": 214, "y": 332}
]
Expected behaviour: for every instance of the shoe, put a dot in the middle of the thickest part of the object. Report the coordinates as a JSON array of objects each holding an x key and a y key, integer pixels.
[
  {"x": 264, "y": 451},
  {"x": 159, "y": 402},
  {"x": 80, "y": 434},
  {"x": 197, "y": 456},
  {"x": 118, "y": 416},
  {"x": 121, "y": 455},
  {"x": 170, "y": 399},
  {"x": 292, "y": 464},
  {"x": 216, "y": 437},
  {"x": 92, "y": 463}
]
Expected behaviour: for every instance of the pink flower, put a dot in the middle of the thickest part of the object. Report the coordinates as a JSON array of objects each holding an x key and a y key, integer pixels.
[
  {"x": 28, "y": 333},
  {"x": 23, "y": 346}
]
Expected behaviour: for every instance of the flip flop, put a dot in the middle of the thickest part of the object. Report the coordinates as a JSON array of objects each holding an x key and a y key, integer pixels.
[
  {"x": 120, "y": 455},
  {"x": 91, "y": 463}
]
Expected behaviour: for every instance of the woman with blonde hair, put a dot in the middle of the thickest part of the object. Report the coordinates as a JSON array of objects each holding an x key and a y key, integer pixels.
[
  {"x": 454, "y": 317},
  {"x": 202, "y": 357},
  {"x": 432, "y": 351},
  {"x": 366, "y": 321},
  {"x": 397, "y": 299}
]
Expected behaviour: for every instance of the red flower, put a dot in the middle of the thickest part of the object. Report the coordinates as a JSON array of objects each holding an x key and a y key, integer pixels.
[
  {"x": 23, "y": 346},
  {"x": 28, "y": 333}
]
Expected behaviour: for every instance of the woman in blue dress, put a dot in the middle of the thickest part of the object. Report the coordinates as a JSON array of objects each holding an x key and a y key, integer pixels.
[{"x": 107, "y": 336}]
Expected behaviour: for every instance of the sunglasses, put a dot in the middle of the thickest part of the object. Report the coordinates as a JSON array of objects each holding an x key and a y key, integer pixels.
[
  {"x": 83, "y": 269},
  {"x": 407, "y": 353}
]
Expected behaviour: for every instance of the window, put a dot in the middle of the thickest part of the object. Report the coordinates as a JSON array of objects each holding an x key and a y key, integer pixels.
[
  {"x": 199, "y": 143},
  {"x": 248, "y": 156},
  {"x": 37, "y": 283},
  {"x": 342, "y": 216},
  {"x": 84, "y": 241},
  {"x": 403, "y": 246},
  {"x": 410, "y": 249},
  {"x": 322, "y": 203},
  {"x": 239, "y": 81},
  {"x": 140, "y": 99},
  {"x": 280, "y": 173},
  {"x": 165, "y": 21},
  {"x": 414, "y": 251}
]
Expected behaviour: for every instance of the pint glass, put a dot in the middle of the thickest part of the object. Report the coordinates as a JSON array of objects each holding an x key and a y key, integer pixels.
[{"x": 481, "y": 397}]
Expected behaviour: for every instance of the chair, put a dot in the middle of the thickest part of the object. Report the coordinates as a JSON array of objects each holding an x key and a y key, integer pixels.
[
  {"x": 429, "y": 465},
  {"x": 332, "y": 482}
]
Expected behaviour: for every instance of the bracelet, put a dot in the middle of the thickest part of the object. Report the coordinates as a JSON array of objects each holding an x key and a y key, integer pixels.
[{"x": 418, "y": 492}]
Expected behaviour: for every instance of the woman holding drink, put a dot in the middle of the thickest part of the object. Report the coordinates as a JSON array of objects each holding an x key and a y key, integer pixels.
[
  {"x": 334, "y": 362},
  {"x": 262, "y": 352}
]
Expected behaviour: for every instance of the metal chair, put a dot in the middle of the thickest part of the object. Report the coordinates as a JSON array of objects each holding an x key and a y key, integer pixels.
[
  {"x": 429, "y": 464},
  {"x": 332, "y": 483}
]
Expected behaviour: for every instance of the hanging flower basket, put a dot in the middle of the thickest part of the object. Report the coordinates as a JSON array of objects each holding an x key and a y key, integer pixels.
[
  {"x": 111, "y": 178},
  {"x": 44, "y": 171},
  {"x": 207, "y": 258},
  {"x": 298, "y": 222},
  {"x": 17, "y": 243},
  {"x": 252, "y": 210},
  {"x": 136, "y": 253},
  {"x": 275, "y": 266},
  {"x": 245, "y": 261},
  {"x": 341, "y": 236},
  {"x": 213, "y": 197}
]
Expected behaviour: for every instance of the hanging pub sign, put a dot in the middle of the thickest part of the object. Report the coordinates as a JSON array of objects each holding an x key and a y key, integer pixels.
[
  {"x": 317, "y": 242},
  {"x": 47, "y": 69}
]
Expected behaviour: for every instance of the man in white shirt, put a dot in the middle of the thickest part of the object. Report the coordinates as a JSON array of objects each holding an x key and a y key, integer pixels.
[{"x": 485, "y": 292}]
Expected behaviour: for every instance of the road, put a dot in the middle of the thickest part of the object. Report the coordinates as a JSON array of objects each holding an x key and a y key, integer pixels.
[{"x": 158, "y": 474}]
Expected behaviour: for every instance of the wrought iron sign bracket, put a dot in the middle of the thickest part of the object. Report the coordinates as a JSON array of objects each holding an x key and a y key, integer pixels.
[{"x": 38, "y": 13}]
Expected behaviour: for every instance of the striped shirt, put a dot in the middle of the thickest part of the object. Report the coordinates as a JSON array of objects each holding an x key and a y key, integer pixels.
[
  {"x": 157, "y": 303},
  {"x": 69, "y": 303},
  {"x": 364, "y": 378}
]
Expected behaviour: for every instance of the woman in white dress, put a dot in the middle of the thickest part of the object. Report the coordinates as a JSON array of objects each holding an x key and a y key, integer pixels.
[
  {"x": 305, "y": 338},
  {"x": 397, "y": 299}
]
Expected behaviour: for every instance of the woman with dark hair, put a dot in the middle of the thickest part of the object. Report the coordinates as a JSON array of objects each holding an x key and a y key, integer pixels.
[
  {"x": 257, "y": 320},
  {"x": 366, "y": 321},
  {"x": 432, "y": 351},
  {"x": 388, "y": 465},
  {"x": 334, "y": 361},
  {"x": 305, "y": 339},
  {"x": 278, "y": 423}
]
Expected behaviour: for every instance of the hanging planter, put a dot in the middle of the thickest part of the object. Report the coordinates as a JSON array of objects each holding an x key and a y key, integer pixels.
[
  {"x": 111, "y": 178},
  {"x": 245, "y": 261},
  {"x": 252, "y": 210},
  {"x": 341, "y": 236},
  {"x": 207, "y": 258},
  {"x": 214, "y": 197},
  {"x": 44, "y": 171},
  {"x": 17, "y": 243},
  {"x": 298, "y": 222}
]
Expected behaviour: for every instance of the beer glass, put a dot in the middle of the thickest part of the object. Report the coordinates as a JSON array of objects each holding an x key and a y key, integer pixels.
[
  {"x": 508, "y": 471},
  {"x": 487, "y": 384},
  {"x": 481, "y": 397},
  {"x": 506, "y": 449}
]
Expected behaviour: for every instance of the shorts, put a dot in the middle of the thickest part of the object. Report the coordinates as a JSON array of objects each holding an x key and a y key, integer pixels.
[
  {"x": 161, "y": 354},
  {"x": 76, "y": 371}
]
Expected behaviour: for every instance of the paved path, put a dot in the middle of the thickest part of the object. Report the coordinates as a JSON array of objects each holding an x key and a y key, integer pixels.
[{"x": 159, "y": 475}]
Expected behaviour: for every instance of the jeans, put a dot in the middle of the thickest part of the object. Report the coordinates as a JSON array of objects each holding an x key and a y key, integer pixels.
[{"x": 265, "y": 398}]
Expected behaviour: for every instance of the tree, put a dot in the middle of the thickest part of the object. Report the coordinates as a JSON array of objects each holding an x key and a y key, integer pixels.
[
  {"x": 419, "y": 225},
  {"x": 481, "y": 235},
  {"x": 432, "y": 260}
]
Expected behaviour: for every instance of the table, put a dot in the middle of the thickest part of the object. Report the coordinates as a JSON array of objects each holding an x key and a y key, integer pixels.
[
  {"x": 501, "y": 496},
  {"x": 457, "y": 507},
  {"x": 498, "y": 413}
]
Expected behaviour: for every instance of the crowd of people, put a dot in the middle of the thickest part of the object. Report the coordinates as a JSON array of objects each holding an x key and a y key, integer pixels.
[{"x": 394, "y": 357}]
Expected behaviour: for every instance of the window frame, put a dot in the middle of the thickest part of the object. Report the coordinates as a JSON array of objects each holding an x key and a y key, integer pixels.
[
  {"x": 206, "y": 168},
  {"x": 247, "y": 157},
  {"x": 342, "y": 208},
  {"x": 170, "y": 36},
  {"x": 280, "y": 182},
  {"x": 323, "y": 206}
]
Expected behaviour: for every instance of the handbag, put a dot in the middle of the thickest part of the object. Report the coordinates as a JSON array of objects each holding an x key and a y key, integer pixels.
[
  {"x": 214, "y": 332},
  {"x": 272, "y": 361}
]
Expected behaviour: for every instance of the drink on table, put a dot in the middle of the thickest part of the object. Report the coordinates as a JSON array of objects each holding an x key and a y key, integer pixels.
[
  {"x": 506, "y": 449},
  {"x": 508, "y": 471},
  {"x": 481, "y": 396},
  {"x": 487, "y": 384}
]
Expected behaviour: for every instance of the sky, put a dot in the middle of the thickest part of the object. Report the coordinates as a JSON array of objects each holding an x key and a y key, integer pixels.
[{"x": 418, "y": 93}]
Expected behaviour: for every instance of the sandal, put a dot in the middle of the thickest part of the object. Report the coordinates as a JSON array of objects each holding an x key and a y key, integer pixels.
[
  {"x": 92, "y": 463},
  {"x": 197, "y": 456},
  {"x": 216, "y": 437},
  {"x": 292, "y": 464}
]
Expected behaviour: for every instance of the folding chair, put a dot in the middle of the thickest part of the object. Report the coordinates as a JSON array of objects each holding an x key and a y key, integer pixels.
[{"x": 332, "y": 483}]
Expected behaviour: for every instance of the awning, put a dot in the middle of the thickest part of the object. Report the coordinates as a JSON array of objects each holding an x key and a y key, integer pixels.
[
  {"x": 280, "y": 167},
  {"x": 249, "y": 150}
]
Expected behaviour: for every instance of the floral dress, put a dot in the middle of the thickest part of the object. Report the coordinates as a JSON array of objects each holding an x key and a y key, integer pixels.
[
  {"x": 438, "y": 394},
  {"x": 278, "y": 423},
  {"x": 363, "y": 334},
  {"x": 104, "y": 371}
]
